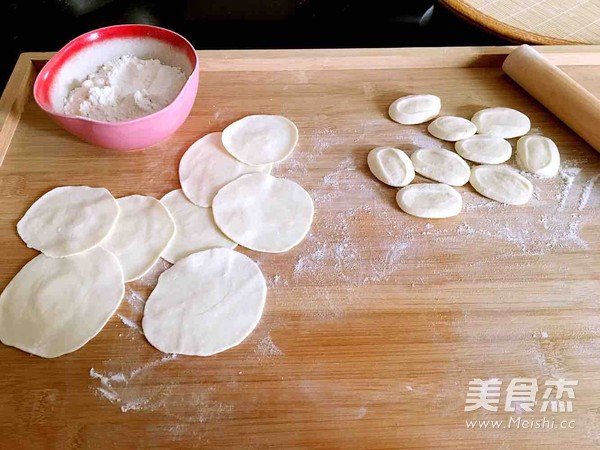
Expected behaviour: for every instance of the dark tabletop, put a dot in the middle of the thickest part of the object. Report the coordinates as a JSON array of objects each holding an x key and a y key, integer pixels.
[{"x": 46, "y": 25}]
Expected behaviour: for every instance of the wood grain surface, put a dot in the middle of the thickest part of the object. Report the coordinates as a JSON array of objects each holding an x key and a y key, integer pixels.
[
  {"x": 374, "y": 325},
  {"x": 548, "y": 22}
]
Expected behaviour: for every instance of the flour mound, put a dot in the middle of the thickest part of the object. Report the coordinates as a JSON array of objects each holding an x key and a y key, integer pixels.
[{"x": 125, "y": 88}]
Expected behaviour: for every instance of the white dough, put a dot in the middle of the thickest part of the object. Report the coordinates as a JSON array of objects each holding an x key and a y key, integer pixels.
[
  {"x": 430, "y": 201},
  {"x": 69, "y": 220},
  {"x": 415, "y": 109},
  {"x": 54, "y": 306},
  {"x": 501, "y": 183},
  {"x": 261, "y": 139},
  {"x": 441, "y": 165},
  {"x": 205, "y": 304},
  {"x": 391, "y": 166},
  {"x": 506, "y": 123},
  {"x": 264, "y": 213},
  {"x": 195, "y": 228},
  {"x": 450, "y": 128},
  {"x": 143, "y": 231},
  {"x": 484, "y": 149},
  {"x": 207, "y": 166},
  {"x": 538, "y": 155}
]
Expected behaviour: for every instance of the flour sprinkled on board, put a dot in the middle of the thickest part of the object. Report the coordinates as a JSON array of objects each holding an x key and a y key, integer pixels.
[
  {"x": 151, "y": 278},
  {"x": 420, "y": 139},
  {"x": 567, "y": 176},
  {"x": 332, "y": 253},
  {"x": 133, "y": 384},
  {"x": 134, "y": 299},
  {"x": 130, "y": 323},
  {"x": 587, "y": 192},
  {"x": 336, "y": 254},
  {"x": 115, "y": 387},
  {"x": 276, "y": 280},
  {"x": 322, "y": 139},
  {"x": 266, "y": 348},
  {"x": 131, "y": 312}
]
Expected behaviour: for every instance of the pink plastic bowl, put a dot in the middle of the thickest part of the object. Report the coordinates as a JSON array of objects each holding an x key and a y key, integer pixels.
[{"x": 85, "y": 54}]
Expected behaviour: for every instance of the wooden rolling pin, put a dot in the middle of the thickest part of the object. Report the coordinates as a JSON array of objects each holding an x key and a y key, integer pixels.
[{"x": 557, "y": 91}]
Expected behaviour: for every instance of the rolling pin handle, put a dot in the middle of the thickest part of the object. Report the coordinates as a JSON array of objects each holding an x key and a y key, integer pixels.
[{"x": 558, "y": 92}]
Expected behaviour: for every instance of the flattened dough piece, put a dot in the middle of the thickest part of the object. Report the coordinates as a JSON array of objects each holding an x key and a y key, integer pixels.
[
  {"x": 261, "y": 139},
  {"x": 55, "y": 306},
  {"x": 264, "y": 213},
  {"x": 195, "y": 228},
  {"x": 430, "y": 201},
  {"x": 506, "y": 123},
  {"x": 484, "y": 149},
  {"x": 207, "y": 166},
  {"x": 538, "y": 155},
  {"x": 205, "y": 304},
  {"x": 501, "y": 183},
  {"x": 69, "y": 220},
  {"x": 391, "y": 166},
  {"x": 450, "y": 128},
  {"x": 415, "y": 109},
  {"x": 143, "y": 231},
  {"x": 441, "y": 165}
]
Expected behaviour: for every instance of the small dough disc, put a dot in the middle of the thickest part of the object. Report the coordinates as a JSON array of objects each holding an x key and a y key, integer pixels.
[
  {"x": 264, "y": 213},
  {"x": 441, "y": 165},
  {"x": 484, "y": 149},
  {"x": 450, "y": 128},
  {"x": 207, "y": 166},
  {"x": 506, "y": 123},
  {"x": 55, "y": 306},
  {"x": 391, "y": 166},
  {"x": 538, "y": 155},
  {"x": 415, "y": 109},
  {"x": 501, "y": 183},
  {"x": 143, "y": 231},
  {"x": 195, "y": 228},
  {"x": 262, "y": 139},
  {"x": 205, "y": 304},
  {"x": 430, "y": 201},
  {"x": 69, "y": 220}
]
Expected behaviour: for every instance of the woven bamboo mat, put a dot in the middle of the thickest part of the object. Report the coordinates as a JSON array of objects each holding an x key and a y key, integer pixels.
[{"x": 535, "y": 21}]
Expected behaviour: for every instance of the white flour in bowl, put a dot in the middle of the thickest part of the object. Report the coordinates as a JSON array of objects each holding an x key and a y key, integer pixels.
[{"x": 125, "y": 88}]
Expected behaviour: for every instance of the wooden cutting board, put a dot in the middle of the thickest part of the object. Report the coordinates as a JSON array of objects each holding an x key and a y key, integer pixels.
[{"x": 378, "y": 321}]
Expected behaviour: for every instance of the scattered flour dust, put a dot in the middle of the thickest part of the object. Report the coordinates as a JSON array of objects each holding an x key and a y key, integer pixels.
[
  {"x": 334, "y": 253},
  {"x": 266, "y": 348},
  {"x": 135, "y": 390},
  {"x": 132, "y": 317},
  {"x": 361, "y": 412},
  {"x": 114, "y": 387},
  {"x": 151, "y": 278},
  {"x": 135, "y": 300},
  {"x": 567, "y": 176},
  {"x": 541, "y": 335},
  {"x": 130, "y": 323},
  {"x": 135, "y": 385},
  {"x": 587, "y": 192}
]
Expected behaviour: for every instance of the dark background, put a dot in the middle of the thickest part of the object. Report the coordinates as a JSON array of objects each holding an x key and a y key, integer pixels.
[{"x": 46, "y": 25}]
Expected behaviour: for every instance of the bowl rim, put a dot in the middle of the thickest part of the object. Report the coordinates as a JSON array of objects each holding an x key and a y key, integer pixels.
[{"x": 49, "y": 66}]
